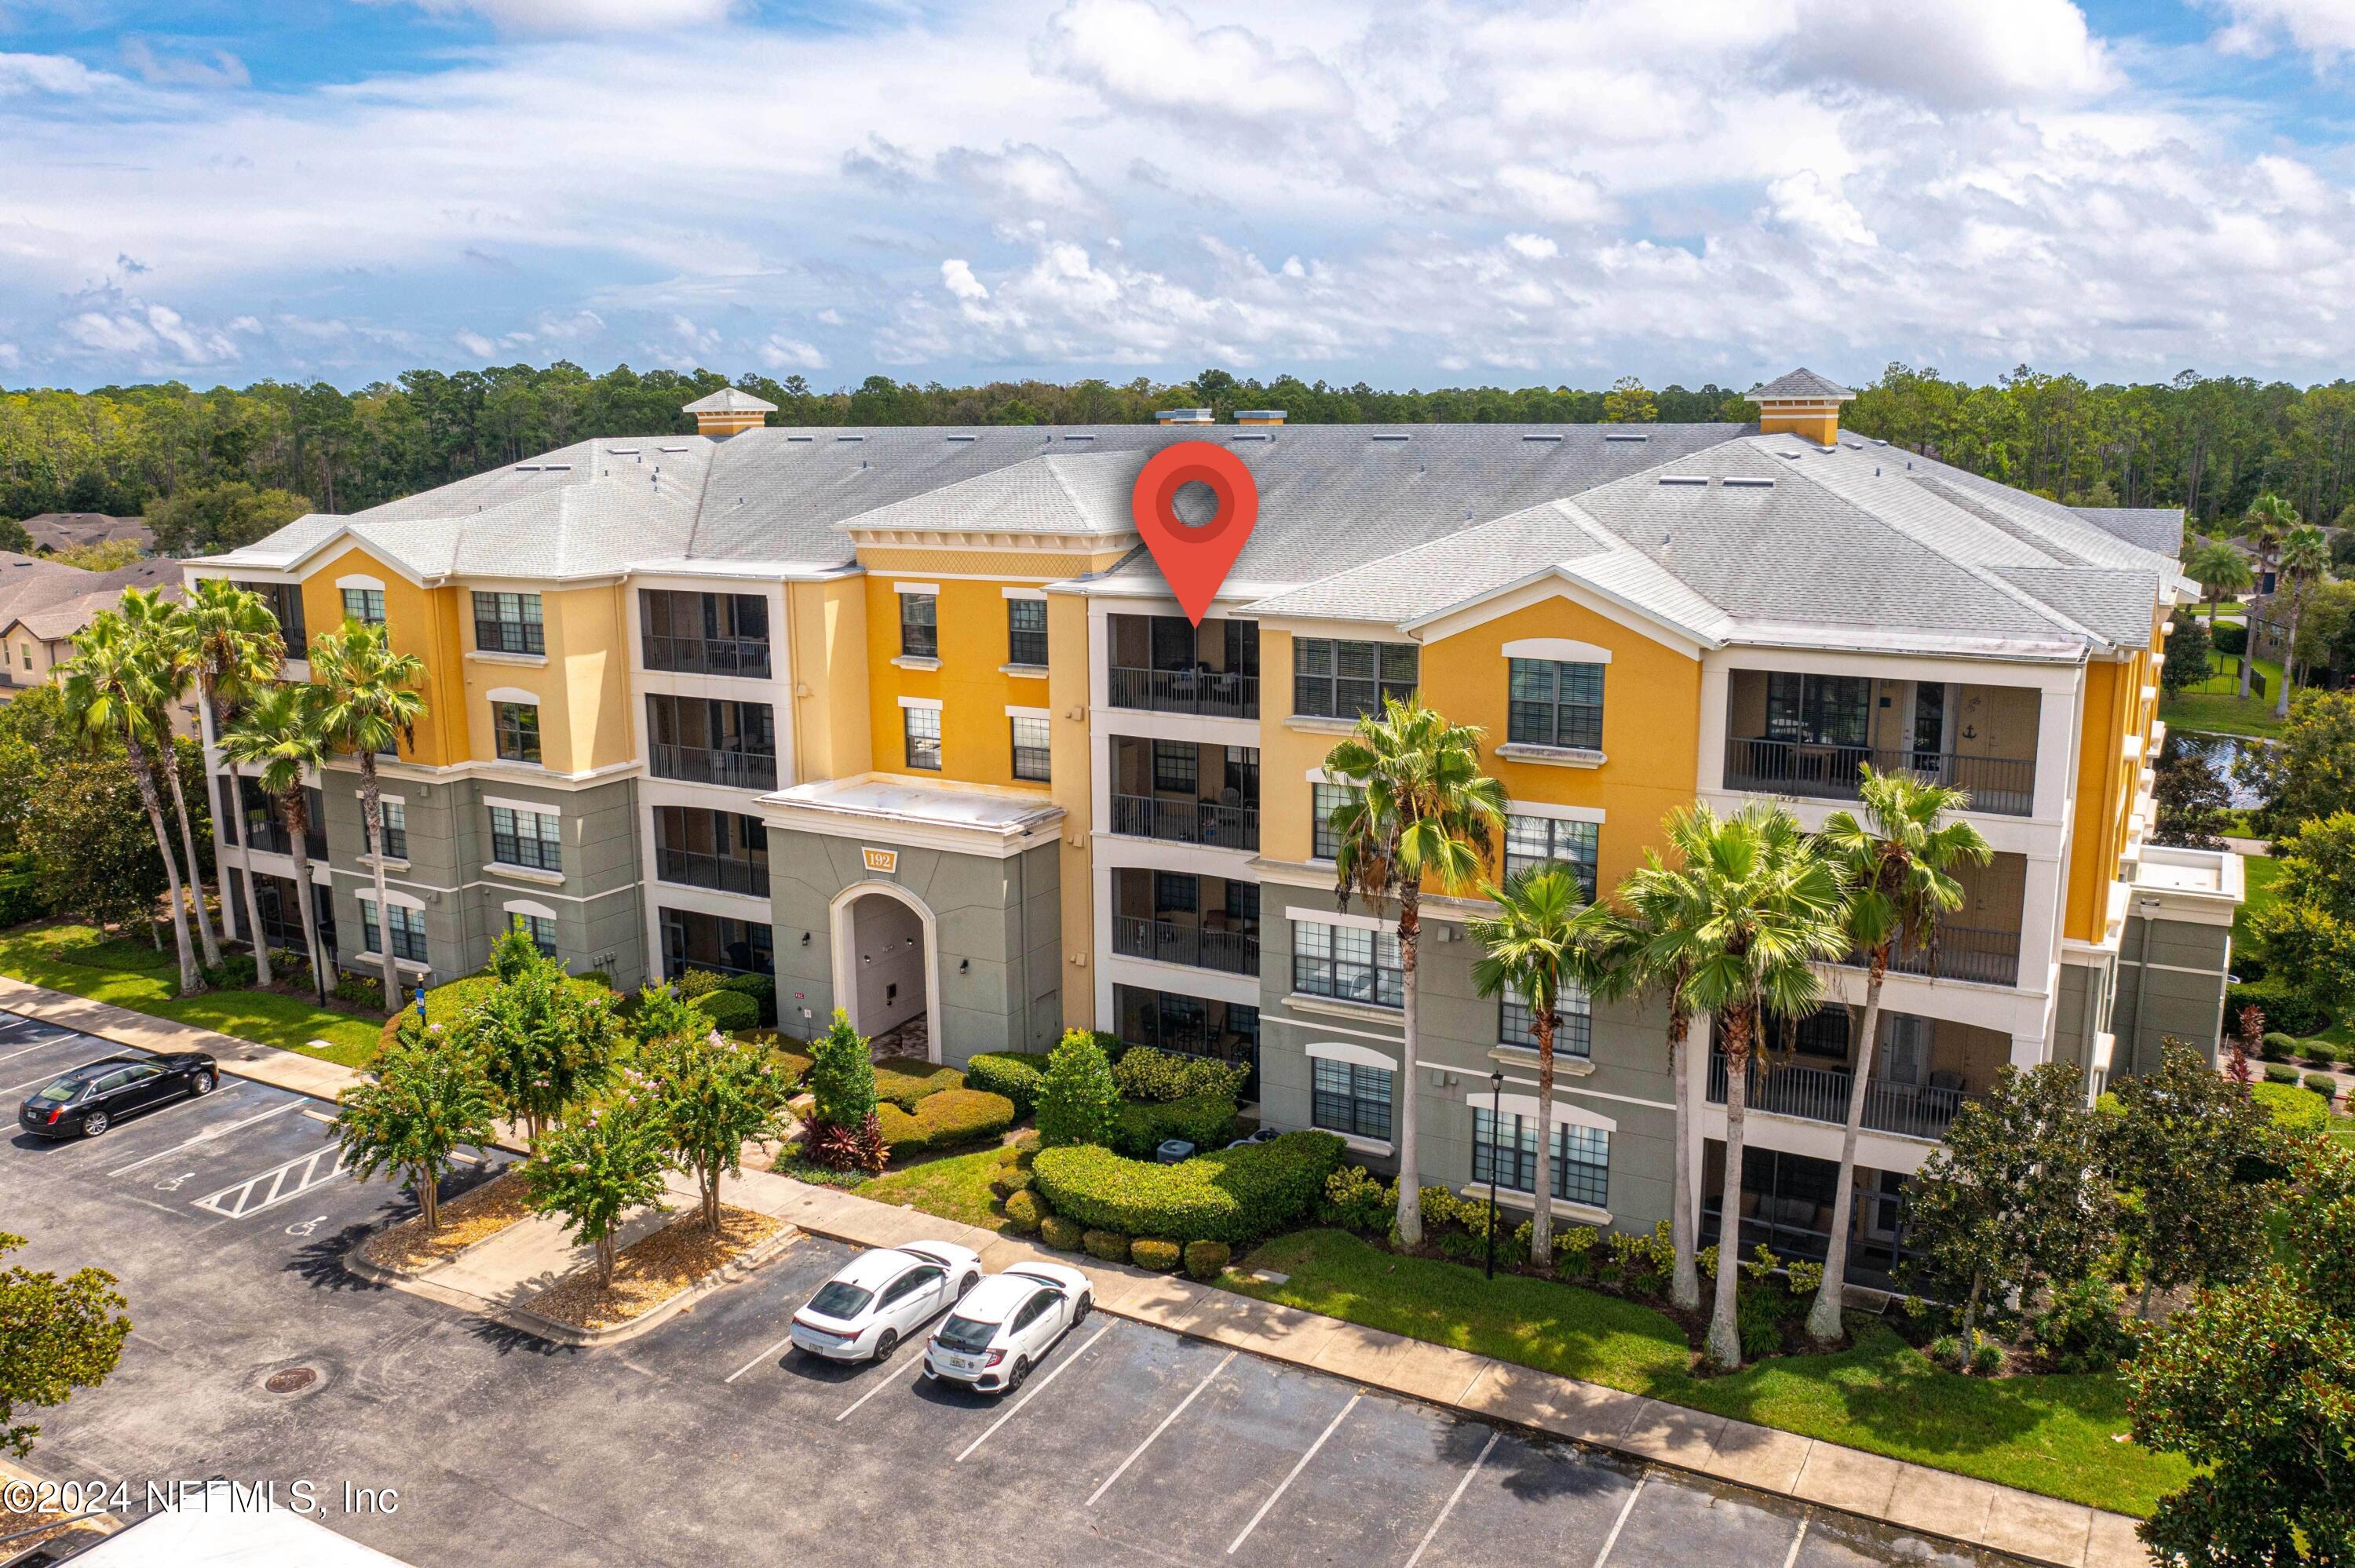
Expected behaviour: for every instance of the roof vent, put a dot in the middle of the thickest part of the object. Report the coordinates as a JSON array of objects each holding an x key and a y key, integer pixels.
[
  {"x": 1684, "y": 479},
  {"x": 621, "y": 452},
  {"x": 1744, "y": 482},
  {"x": 801, "y": 437},
  {"x": 1627, "y": 435},
  {"x": 850, "y": 438},
  {"x": 1879, "y": 442},
  {"x": 1262, "y": 436},
  {"x": 1082, "y": 436},
  {"x": 1259, "y": 416},
  {"x": 1184, "y": 416},
  {"x": 1788, "y": 456},
  {"x": 1389, "y": 436},
  {"x": 964, "y": 437},
  {"x": 1536, "y": 436}
]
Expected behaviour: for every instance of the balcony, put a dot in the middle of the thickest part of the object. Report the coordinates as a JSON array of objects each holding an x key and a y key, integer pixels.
[
  {"x": 1169, "y": 942},
  {"x": 711, "y": 765},
  {"x": 1821, "y": 1094},
  {"x": 723, "y": 873},
  {"x": 1955, "y": 952},
  {"x": 744, "y": 656},
  {"x": 1178, "y": 918},
  {"x": 1186, "y": 821},
  {"x": 1162, "y": 663},
  {"x": 1215, "y": 694},
  {"x": 704, "y": 633},
  {"x": 1185, "y": 793},
  {"x": 1822, "y": 771}
]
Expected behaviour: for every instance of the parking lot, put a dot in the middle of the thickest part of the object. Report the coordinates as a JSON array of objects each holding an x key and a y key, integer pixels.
[{"x": 707, "y": 1440}]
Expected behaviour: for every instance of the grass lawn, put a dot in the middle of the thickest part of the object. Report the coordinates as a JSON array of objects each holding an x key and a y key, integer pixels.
[
  {"x": 2219, "y": 714},
  {"x": 955, "y": 1187},
  {"x": 2045, "y": 1433},
  {"x": 132, "y": 975},
  {"x": 2259, "y": 872}
]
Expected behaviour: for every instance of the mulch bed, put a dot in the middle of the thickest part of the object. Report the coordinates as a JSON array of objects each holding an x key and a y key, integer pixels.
[
  {"x": 651, "y": 1271},
  {"x": 409, "y": 1249}
]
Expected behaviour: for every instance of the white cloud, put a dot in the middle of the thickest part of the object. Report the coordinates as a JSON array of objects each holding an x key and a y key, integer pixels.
[
  {"x": 1533, "y": 247},
  {"x": 956, "y": 274},
  {"x": 1957, "y": 53},
  {"x": 2323, "y": 29},
  {"x": 1807, "y": 202},
  {"x": 58, "y": 74},
  {"x": 570, "y": 17},
  {"x": 782, "y": 353},
  {"x": 223, "y": 70},
  {"x": 474, "y": 344},
  {"x": 1146, "y": 56},
  {"x": 154, "y": 337}
]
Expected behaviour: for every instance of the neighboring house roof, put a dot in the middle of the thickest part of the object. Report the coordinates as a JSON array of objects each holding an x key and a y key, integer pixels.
[
  {"x": 54, "y": 531},
  {"x": 53, "y": 600},
  {"x": 1803, "y": 383},
  {"x": 2155, "y": 528}
]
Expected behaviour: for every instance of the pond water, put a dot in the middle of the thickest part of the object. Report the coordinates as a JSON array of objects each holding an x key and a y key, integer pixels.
[{"x": 2219, "y": 753}]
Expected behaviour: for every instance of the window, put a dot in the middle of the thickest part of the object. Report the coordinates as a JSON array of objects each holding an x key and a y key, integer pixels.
[
  {"x": 364, "y": 604},
  {"x": 924, "y": 728},
  {"x": 1352, "y": 1099},
  {"x": 1026, "y": 632},
  {"x": 1508, "y": 1146},
  {"x": 1177, "y": 767},
  {"x": 1555, "y": 704},
  {"x": 1323, "y": 800},
  {"x": 509, "y": 623},
  {"x": 1345, "y": 680},
  {"x": 1176, "y": 893},
  {"x": 539, "y": 929},
  {"x": 1533, "y": 842},
  {"x": 396, "y": 830},
  {"x": 408, "y": 931},
  {"x": 1574, "y": 1022},
  {"x": 1031, "y": 756},
  {"x": 1819, "y": 710},
  {"x": 1824, "y": 1033},
  {"x": 535, "y": 839},
  {"x": 1351, "y": 962},
  {"x": 919, "y": 630},
  {"x": 516, "y": 727}
]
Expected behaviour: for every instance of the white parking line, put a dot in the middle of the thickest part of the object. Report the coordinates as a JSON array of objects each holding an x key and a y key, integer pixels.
[
  {"x": 881, "y": 1385},
  {"x": 1141, "y": 1448},
  {"x": 1619, "y": 1524},
  {"x": 1796, "y": 1542},
  {"x": 1457, "y": 1497},
  {"x": 49, "y": 1076},
  {"x": 1036, "y": 1390},
  {"x": 207, "y": 1136},
  {"x": 763, "y": 1356},
  {"x": 1294, "y": 1475},
  {"x": 30, "y": 1049},
  {"x": 278, "y": 1184}
]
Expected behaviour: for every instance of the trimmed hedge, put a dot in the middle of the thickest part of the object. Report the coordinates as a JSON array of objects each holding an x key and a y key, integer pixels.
[
  {"x": 1206, "y": 1122},
  {"x": 1151, "y": 1252},
  {"x": 2277, "y": 1047},
  {"x": 1231, "y": 1195},
  {"x": 1061, "y": 1234},
  {"x": 728, "y": 1011},
  {"x": 2287, "y": 1011},
  {"x": 1110, "y": 1246},
  {"x": 2293, "y": 1109},
  {"x": 948, "y": 1119},
  {"x": 908, "y": 1081},
  {"x": 1016, "y": 1074},
  {"x": 2280, "y": 1072},
  {"x": 1206, "y": 1260},
  {"x": 2323, "y": 1084},
  {"x": 1024, "y": 1212},
  {"x": 20, "y": 897},
  {"x": 1148, "y": 1073},
  {"x": 445, "y": 1004}
]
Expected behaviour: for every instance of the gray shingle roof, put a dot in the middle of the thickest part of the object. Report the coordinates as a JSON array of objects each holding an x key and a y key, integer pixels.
[
  {"x": 2157, "y": 528},
  {"x": 1802, "y": 383},
  {"x": 53, "y": 600},
  {"x": 730, "y": 400}
]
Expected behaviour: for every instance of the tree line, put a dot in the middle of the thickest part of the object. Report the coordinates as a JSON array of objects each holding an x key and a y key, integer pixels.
[{"x": 2210, "y": 444}]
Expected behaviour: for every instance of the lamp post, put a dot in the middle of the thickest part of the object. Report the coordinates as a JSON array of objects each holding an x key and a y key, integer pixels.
[{"x": 1496, "y": 1120}]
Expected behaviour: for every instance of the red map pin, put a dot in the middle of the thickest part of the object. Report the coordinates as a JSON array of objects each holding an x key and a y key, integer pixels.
[{"x": 1196, "y": 560}]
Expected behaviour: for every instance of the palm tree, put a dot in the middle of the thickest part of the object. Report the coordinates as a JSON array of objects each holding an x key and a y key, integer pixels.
[
  {"x": 2219, "y": 569},
  {"x": 154, "y": 622},
  {"x": 2269, "y": 521},
  {"x": 1893, "y": 861},
  {"x": 235, "y": 648},
  {"x": 1649, "y": 965},
  {"x": 279, "y": 733},
  {"x": 1541, "y": 936},
  {"x": 370, "y": 702},
  {"x": 1419, "y": 808},
  {"x": 2305, "y": 559},
  {"x": 1758, "y": 907},
  {"x": 109, "y": 691}
]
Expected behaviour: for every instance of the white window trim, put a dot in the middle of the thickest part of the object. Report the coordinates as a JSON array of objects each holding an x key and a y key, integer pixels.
[
  {"x": 1558, "y": 814},
  {"x": 1339, "y": 917},
  {"x": 537, "y": 808},
  {"x": 1527, "y": 1106},
  {"x": 382, "y": 799},
  {"x": 932, "y": 589},
  {"x": 527, "y": 907},
  {"x": 1023, "y": 593},
  {"x": 1557, "y": 651},
  {"x": 931, "y": 702},
  {"x": 1014, "y": 712},
  {"x": 513, "y": 694},
  {"x": 359, "y": 581},
  {"x": 394, "y": 896},
  {"x": 1356, "y": 1056}
]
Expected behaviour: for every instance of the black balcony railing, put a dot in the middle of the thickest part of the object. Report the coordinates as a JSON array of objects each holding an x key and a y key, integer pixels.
[
  {"x": 267, "y": 831},
  {"x": 747, "y": 656},
  {"x": 510, "y": 636},
  {"x": 704, "y": 765},
  {"x": 1820, "y": 1093},
  {"x": 1957, "y": 952},
  {"x": 1233, "y": 952},
  {"x": 2000, "y": 784},
  {"x": 1186, "y": 821},
  {"x": 697, "y": 869},
  {"x": 1220, "y": 694}
]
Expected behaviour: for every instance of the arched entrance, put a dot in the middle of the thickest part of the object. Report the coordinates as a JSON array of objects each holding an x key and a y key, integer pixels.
[{"x": 887, "y": 968}]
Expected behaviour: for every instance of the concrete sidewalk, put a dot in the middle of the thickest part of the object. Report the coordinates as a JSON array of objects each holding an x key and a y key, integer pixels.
[{"x": 1935, "y": 1502}]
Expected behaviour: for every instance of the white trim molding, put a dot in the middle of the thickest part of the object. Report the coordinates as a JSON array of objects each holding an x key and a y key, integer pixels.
[
  {"x": 392, "y": 896},
  {"x": 1023, "y": 593},
  {"x": 537, "y": 808},
  {"x": 1557, "y": 651},
  {"x": 1527, "y": 1105},
  {"x": 1339, "y": 917},
  {"x": 841, "y": 940},
  {"x": 512, "y": 694},
  {"x": 932, "y": 589},
  {"x": 1519, "y": 808},
  {"x": 1030, "y": 713},
  {"x": 1356, "y": 1056},
  {"x": 359, "y": 580},
  {"x": 931, "y": 702},
  {"x": 527, "y": 907}
]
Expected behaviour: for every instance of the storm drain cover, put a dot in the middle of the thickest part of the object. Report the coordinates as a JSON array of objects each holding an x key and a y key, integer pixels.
[{"x": 294, "y": 1380}]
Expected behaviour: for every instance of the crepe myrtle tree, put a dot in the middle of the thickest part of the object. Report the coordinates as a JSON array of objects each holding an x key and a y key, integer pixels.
[
  {"x": 711, "y": 1095},
  {"x": 545, "y": 1040},
  {"x": 593, "y": 1169},
  {"x": 422, "y": 1099},
  {"x": 56, "y": 1336}
]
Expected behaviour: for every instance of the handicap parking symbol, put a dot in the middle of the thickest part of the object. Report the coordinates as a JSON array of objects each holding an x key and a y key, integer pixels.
[
  {"x": 172, "y": 1183},
  {"x": 305, "y": 1227}
]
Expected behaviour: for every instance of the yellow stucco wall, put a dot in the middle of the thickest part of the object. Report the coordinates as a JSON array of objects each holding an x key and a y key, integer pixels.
[
  {"x": 2105, "y": 784},
  {"x": 829, "y": 665},
  {"x": 583, "y": 687},
  {"x": 423, "y": 622}
]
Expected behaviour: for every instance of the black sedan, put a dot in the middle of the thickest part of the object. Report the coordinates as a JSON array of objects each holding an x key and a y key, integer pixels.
[{"x": 92, "y": 1098}]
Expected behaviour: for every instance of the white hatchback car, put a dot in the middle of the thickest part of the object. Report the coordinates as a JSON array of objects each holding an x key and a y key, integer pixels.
[
  {"x": 1007, "y": 1325},
  {"x": 882, "y": 1297}
]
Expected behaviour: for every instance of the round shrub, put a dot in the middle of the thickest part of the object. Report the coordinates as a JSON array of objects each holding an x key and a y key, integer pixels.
[
  {"x": 1151, "y": 1252},
  {"x": 1945, "y": 1349},
  {"x": 1016, "y": 1074},
  {"x": 1987, "y": 1358},
  {"x": 759, "y": 987},
  {"x": 1018, "y": 1180},
  {"x": 2320, "y": 1053},
  {"x": 2277, "y": 1047},
  {"x": 907, "y": 1082},
  {"x": 2294, "y": 1110},
  {"x": 1230, "y": 1194},
  {"x": 1358, "y": 1201},
  {"x": 1062, "y": 1235},
  {"x": 1077, "y": 1102},
  {"x": 1206, "y": 1260},
  {"x": 1141, "y": 1127},
  {"x": 1110, "y": 1246},
  {"x": 2323, "y": 1084},
  {"x": 1024, "y": 1213},
  {"x": 1148, "y": 1073},
  {"x": 728, "y": 1011},
  {"x": 701, "y": 982},
  {"x": 2279, "y": 1072},
  {"x": 1007, "y": 1156},
  {"x": 952, "y": 1118}
]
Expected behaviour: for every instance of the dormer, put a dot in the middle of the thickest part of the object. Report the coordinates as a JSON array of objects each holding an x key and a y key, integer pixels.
[
  {"x": 1802, "y": 404},
  {"x": 729, "y": 412}
]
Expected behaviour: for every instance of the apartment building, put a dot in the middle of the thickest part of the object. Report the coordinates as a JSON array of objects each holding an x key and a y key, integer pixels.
[{"x": 906, "y": 718}]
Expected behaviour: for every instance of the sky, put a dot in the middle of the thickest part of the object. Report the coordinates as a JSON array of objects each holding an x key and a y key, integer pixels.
[{"x": 1419, "y": 194}]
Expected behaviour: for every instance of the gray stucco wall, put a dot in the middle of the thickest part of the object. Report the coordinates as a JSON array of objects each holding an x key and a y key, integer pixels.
[
  {"x": 600, "y": 921},
  {"x": 2173, "y": 986},
  {"x": 990, "y": 915}
]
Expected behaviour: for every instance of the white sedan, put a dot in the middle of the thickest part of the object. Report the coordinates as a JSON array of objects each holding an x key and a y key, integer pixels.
[
  {"x": 1007, "y": 1325},
  {"x": 881, "y": 1297}
]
